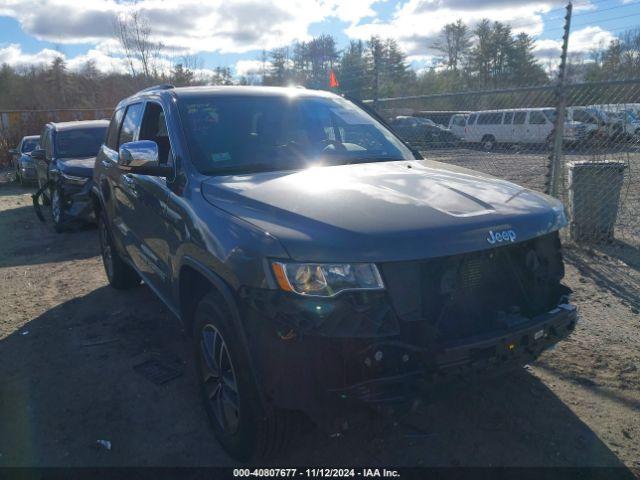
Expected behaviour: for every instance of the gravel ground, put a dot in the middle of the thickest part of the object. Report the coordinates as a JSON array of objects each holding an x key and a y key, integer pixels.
[{"x": 69, "y": 345}]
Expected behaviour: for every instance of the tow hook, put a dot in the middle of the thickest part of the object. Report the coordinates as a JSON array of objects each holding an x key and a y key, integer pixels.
[{"x": 36, "y": 199}]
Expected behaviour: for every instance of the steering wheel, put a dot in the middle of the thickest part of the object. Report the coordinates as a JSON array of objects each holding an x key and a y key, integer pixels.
[{"x": 339, "y": 146}]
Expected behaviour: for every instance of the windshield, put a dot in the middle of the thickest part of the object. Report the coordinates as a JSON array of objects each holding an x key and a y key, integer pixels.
[
  {"x": 81, "y": 142},
  {"x": 238, "y": 133},
  {"x": 29, "y": 145},
  {"x": 551, "y": 114}
]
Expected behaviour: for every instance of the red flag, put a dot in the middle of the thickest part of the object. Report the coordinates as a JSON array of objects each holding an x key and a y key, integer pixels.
[{"x": 333, "y": 81}]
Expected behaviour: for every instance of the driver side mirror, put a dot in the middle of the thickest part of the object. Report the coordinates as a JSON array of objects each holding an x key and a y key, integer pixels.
[
  {"x": 142, "y": 157},
  {"x": 38, "y": 154}
]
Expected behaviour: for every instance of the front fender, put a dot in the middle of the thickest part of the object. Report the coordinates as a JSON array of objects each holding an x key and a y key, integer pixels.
[{"x": 232, "y": 307}]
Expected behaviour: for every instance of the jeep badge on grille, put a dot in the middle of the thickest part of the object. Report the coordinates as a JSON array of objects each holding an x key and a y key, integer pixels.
[{"x": 502, "y": 236}]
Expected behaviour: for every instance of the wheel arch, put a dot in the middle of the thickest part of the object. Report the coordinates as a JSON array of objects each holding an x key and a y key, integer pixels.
[
  {"x": 195, "y": 280},
  {"x": 96, "y": 202}
]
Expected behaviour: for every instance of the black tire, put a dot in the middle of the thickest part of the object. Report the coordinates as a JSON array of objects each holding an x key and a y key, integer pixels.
[
  {"x": 488, "y": 143},
  {"x": 46, "y": 201},
  {"x": 57, "y": 210},
  {"x": 120, "y": 274},
  {"x": 246, "y": 429}
]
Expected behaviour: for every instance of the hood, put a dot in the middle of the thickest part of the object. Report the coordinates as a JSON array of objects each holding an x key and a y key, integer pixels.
[
  {"x": 385, "y": 211},
  {"x": 79, "y": 167}
]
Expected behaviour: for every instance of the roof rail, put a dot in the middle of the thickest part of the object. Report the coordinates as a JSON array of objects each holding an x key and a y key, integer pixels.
[{"x": 162, "y": 86}]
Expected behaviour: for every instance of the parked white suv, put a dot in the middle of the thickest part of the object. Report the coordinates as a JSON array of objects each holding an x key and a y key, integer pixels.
[{"x": 517, "y": 126}]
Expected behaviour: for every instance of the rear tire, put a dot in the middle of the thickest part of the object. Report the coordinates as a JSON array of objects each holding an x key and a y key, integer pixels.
[
  {"x": 488, "y": 143},
  {"x": 120, "y": 274},
  {"x": 244, "y": 427}
]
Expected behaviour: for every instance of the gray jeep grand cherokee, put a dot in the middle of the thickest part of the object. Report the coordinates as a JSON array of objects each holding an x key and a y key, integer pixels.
[{"x": 318, "y": 261}]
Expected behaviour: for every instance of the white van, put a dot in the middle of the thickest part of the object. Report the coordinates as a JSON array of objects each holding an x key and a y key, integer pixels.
[{"x": 520, "y": 125}]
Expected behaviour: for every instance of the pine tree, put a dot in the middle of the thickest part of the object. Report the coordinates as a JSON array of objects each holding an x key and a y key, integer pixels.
[{"x": 353, "y": 72}]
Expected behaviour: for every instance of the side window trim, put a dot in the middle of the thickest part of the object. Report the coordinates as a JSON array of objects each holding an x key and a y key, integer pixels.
[
  {"x": 108, "y": 144},
  {"x": 170, "y": 159},
  {"x": 48, "y": 151}
]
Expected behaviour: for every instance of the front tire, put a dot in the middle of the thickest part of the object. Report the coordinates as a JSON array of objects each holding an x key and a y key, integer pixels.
[
  {"x": 120, "y": 274},
  {"x": 246, "y": 429}
]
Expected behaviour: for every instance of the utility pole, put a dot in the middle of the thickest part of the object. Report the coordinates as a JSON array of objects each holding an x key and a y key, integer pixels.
[{"x": 555, "y": 159}]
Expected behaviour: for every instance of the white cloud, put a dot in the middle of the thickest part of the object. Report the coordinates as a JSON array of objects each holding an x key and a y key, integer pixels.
[
  {"x": 186, "y": 26},
  {"x": 246, "y": 68},
  {"x": 417, "y": 24},
  {"x": 581, "y": 41},
  {"x": 13, "y": 55},
  {"x": 240, "y": 26},
  {"x": 102, "y": 61}
]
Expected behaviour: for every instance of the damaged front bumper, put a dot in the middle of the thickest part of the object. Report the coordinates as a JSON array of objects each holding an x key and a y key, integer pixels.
[
  {"x": 368, "y": 356},
  {"x": 77, "y": 205},
  {"x": 460, "y": 360}
]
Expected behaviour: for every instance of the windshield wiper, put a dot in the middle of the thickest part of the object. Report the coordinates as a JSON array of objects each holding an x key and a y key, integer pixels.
[
  {"x": 249, "y": 168},
  {"x": 353, "y": 161}
]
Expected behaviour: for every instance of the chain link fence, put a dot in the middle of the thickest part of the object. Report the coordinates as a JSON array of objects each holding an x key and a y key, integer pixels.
[
  {"x": 15, "y": 124},
  {"x": 510, "y": 134}
]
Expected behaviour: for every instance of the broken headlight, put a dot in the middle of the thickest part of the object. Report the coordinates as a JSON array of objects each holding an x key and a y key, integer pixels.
[
  {"x": 326, "y": 279},
  {"x": 73, "y": 179}
]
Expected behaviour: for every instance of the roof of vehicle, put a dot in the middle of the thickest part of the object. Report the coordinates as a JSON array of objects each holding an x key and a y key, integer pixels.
[
  {"x": 231, "y": 90},
  {"x": 60, "y": 126},
  {"x": 514, "y": 110},
  {"x": 30, "y": 137}
]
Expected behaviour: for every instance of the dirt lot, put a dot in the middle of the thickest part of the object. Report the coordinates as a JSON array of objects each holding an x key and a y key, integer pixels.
[{"x": 68, "y": 345}]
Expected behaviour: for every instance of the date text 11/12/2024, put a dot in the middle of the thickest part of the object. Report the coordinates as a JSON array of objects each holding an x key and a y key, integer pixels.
[{"x": 316, "y": 472}]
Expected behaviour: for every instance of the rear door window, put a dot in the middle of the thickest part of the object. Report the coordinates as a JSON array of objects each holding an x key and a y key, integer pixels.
[
  {"x": 130, "y": 124},
  {"x": 489, "y": 118},
  {"x": 508, "y": 118},
  {"x": 519, "y": 118}
]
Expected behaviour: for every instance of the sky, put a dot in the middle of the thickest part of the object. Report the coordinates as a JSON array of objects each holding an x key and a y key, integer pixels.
[{"x": 233, "y": 33}]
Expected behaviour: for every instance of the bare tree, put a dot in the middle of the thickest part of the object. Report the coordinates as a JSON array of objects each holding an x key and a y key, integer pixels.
[{"x": 135, "y": 36}]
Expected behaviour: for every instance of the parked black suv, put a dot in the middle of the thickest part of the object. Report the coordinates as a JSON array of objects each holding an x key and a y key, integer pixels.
[
  {"x": 64, "y": 167},
  {"x": 318, "y": 262},
  {"x": 21, "y": 159}
]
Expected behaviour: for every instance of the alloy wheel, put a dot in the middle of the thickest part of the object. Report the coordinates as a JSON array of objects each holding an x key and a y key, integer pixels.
[{"x": 219, "y": 379}]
